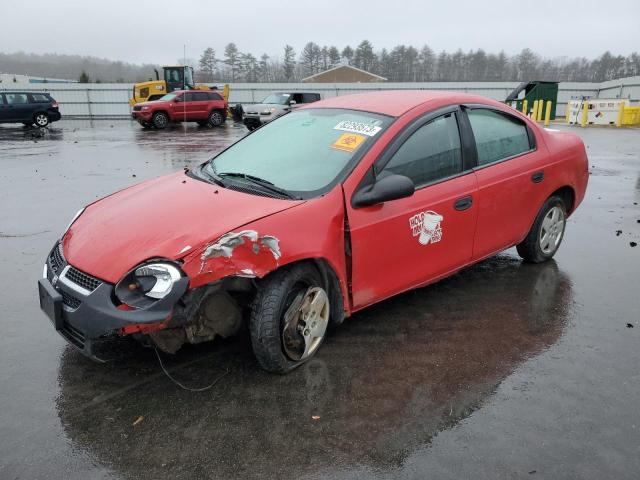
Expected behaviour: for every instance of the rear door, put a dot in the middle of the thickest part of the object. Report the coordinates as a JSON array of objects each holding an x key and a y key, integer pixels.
[
  {"x": 404, "y": 243},
  {"x": 4, "y": 109},
  {"x": 201, "y": 104},
  {"x": 509, "y": 176},
  {"x": 18, "y": 107}
]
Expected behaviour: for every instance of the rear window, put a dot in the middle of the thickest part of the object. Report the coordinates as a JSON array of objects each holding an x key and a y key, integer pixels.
[
  {"x": 39, "y": 98},
  {"x": 498, "y": 135},
  {"x": 214, "y": 96}
]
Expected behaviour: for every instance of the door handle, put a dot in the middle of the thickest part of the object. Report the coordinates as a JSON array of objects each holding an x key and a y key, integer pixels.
[
  {"x": 537, "y": 177},
  {"x": 463, "y": 203}
]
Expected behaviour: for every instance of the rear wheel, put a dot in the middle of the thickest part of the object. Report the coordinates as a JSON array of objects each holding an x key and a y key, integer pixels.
[
  {"x": 545, "y": 236},
  {"x": 289, "y": 318},
  {"x": 216, "y": 118},
  {"x": 41, "y": 119},
  {"x": 160, "y": 120}
]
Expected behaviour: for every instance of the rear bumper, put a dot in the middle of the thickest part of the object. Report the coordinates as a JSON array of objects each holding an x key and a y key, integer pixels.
[
  {"x": 84, "y": 317},
  {"x": 54, "y": 115}
]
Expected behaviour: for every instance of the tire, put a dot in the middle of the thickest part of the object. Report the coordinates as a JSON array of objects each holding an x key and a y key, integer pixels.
[
  {"x": 289, "y": 318},
  {"x": 160, "y": 120},
  {"x": 216, "y": 118},
  {"x": 546, "y": 234},
  {"x": 41, "y": 119}
]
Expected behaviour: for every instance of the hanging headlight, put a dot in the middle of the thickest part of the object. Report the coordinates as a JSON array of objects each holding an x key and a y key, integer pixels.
[{"x": 147, "y": 283}]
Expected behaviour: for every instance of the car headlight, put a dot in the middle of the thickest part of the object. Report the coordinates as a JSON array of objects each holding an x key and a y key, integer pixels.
[
  {"x": 75, "y": 217},
  {"x": 145, "y": 108},
  {"x": 147, "y": 283}
]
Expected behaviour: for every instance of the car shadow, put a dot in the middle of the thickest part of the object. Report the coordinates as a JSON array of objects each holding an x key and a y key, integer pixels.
[{"x": 382, "y": 386}]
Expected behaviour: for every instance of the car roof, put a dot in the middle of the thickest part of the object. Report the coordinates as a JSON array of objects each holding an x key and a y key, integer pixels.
[
  {"x": 398, "y": 102},
  {"x": 22, "y": 92}
]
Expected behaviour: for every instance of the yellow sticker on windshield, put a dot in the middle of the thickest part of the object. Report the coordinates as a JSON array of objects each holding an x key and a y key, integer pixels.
[{"x": 349, "y": 142}]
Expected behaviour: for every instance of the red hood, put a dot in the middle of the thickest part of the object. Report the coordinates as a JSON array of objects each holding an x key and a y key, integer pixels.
[{"x": 158, "y": 218}]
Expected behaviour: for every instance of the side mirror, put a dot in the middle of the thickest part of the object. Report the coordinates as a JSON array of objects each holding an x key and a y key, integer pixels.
[
  {"x": 292, "y": 102},
  {"x": 384, "y": 189},
  {"x": 178, "y": 99}
]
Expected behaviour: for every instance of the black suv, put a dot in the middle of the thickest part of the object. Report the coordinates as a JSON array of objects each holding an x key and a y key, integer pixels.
[{"x": 28, "y": 108}]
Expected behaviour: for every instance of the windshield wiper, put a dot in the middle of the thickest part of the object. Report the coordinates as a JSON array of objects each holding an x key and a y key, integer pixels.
[
  {"x": 210, "y": 176},
  {"x": 259, "y": 181}
]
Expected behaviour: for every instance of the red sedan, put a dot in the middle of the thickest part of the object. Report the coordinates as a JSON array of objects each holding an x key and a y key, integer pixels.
[
  {"x": 201, "y": 106},
  {"x": 322, "y": 212}
]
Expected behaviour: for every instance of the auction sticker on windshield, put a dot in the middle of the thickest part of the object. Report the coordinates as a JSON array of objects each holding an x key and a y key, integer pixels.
[
  {"x": 358, "y": 127},
  {"x": 348, "y": 142}
]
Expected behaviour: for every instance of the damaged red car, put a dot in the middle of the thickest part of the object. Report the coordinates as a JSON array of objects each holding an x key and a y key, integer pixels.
[{"x": 326, "y": 210}]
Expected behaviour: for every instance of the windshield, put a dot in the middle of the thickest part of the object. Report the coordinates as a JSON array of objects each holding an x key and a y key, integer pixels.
[
  {"x": 277, "y": 98},
  {"x": 303, "y": 151},
  {"x": 168, "y": 96}
]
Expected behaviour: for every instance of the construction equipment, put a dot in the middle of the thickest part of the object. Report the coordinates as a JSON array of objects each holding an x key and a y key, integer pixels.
[{"x": 176, "y": 77}]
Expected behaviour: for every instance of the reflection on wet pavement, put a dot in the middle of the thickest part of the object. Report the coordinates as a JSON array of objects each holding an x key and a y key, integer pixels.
[{"x": 383, "y": 385}]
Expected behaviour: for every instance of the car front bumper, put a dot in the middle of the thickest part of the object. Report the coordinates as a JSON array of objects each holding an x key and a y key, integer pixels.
[
  {"x": 255, "y": 121},
  {"x": 82, "y": 308},
  {"x": 141, "y": 116}
]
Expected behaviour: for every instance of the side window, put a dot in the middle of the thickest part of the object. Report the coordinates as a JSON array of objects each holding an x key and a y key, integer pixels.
[
  {"x": 190, "y": 97},
  {"x": 311, "y": 97},
  {"x": 297, "y": 97},
  {"x": 16, "y": 98},
  {"x": 498, "y": 136},
  {"x": 431, "y": 153},
  {"x": 214, "y": 96},
  {"x": 200, "y": 96},
  {"x": 39, "y": 98}
]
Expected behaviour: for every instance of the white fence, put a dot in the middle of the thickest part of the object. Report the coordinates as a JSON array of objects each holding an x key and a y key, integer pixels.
[{"x": 110, "y": 100}]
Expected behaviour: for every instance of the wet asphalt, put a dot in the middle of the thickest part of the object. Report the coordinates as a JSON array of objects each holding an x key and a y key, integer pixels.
[{"x": 505, "y": 370}]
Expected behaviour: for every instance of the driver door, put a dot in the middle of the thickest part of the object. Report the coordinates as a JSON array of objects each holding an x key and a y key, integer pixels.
[{"x": 404, "y": 243}]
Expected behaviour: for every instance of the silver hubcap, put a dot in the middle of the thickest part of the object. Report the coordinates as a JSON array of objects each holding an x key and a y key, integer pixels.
[
  {"x": 161, "y": 120},
  {"x": 216, "y": 118},
  {"x": 551, "y": 230},
  {"x": 41, "y": 120},
  {"x": 306, "y": 322}
]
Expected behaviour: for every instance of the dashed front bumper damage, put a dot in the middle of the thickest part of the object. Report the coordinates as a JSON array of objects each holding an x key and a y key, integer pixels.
[{"x": 83, "y": 309}]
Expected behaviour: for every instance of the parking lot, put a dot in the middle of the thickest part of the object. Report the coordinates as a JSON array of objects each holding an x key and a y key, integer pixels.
[{"x": 505, "y": 370}]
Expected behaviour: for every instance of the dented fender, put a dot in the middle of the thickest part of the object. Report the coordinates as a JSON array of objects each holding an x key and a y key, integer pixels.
[{"x": 311, "y": 231}]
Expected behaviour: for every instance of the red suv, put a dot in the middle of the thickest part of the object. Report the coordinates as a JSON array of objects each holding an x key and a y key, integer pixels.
[{"x": 205, "y": 108}]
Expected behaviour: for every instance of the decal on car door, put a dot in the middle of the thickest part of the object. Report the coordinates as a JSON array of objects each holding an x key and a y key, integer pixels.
[{"x": 426, "y": 226}]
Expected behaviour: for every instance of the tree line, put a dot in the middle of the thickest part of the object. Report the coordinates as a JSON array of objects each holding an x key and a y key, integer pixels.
[
  {"x": 402, "y": 63},
  {"x": 406, "y": 63}
]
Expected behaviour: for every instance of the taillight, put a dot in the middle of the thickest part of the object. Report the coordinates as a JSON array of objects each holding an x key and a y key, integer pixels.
[{"x": 54, "y": 104}]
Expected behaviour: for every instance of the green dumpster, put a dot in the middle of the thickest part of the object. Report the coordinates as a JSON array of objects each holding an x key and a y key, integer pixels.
[{"x": 535, "y": 90}]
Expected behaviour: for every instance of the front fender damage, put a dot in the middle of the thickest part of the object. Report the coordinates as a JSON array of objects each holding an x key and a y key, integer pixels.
[
  {"x": 221, "y": 283},
  {"x": 244, "y": 253}
]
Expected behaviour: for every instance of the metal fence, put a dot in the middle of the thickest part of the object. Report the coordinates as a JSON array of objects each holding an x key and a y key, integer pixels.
[{"x": 111, "y": 100}]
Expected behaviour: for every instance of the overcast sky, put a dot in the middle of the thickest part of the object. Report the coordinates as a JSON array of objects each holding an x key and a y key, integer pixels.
[{"x": 132, "y": 31}]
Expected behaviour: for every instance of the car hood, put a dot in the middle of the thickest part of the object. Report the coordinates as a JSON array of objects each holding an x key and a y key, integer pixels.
[
  {"x": 258, "y": 107},
  {"x": 168, "y": 217}
]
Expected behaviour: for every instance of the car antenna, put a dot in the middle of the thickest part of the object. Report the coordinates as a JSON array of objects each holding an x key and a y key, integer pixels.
[{"x": 184, "y": 102}]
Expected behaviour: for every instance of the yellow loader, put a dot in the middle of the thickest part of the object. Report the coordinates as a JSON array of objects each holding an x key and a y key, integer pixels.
[{"x": 177, "y": 77}]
